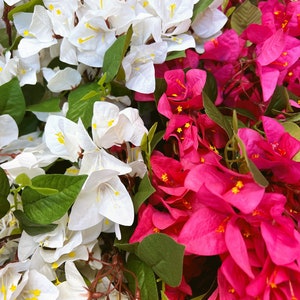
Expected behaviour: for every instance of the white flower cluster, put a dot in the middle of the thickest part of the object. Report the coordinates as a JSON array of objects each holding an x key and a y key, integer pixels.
[
  {"x": 80, "y": 32},
  {"x": 102, "y": 205}
]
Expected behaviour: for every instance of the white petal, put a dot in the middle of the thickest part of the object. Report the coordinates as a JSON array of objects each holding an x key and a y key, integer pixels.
[{"x": 8, "y": 130}]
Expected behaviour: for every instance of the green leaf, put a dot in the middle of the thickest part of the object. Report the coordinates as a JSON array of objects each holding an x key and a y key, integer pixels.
[
  {"x": 144, "y": 192},
  {"x": 114, "y": 55},
  {"x": 26, "y": 7},
  {"x": 210, "y": 87},
  {"x": 175, "y": 54},
  {"x": 145, "y": 276},
  {"x": 30, "y": 227},
  {"x": 12, "y": 101},
  {"x": 33, "y": 93},
  {"x": 51, "y": 105},
  {"x": 81, "y": 103},
  {"x": 214, "y": 114},
  {"x": 293, "y": 129},
  {"x": 200, "y": 7},
  {"x": 4, "y": 192},
  {"x": 257, "y": 175},
  {"x": 244, "y": 15},
  {"x": 45, "y": 209},
  {"x": 23, "y": 180},
  {"x": 164, "y": 256},
  {"x": 156, "y": 139},
  {"x": 279, "y": 101}
]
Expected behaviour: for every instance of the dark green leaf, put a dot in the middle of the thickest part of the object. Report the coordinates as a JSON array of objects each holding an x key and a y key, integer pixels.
[
  {"x": 145, "y": 276},
  {"x": 45, "y": 209},
  {"x": 4, "y": 192},
  {"x": 156, "y": 139},
  {"x": 33, "y": 93},
  {"x": 51, "y": 105},
  {"x": 26, "y": 7},
  {"x": 210, "y": 87},
  {"x": 200, "y": 7},
  {"x": 244, "y": 15},
  {"x": 81, "y": 103},
  {"x": 160, "y": 88},
  {"x": 12, "y": 101},
  {"x": 144, "y": 192},
  {"x": 279, "y": 101},
  {"x": 30, "y": 227},
  {"x": 29, "y": 124},
  {"x": 214, "y": 114},
  {"x": 164, "y": 256},
  {"x": 114, "y": 55}
]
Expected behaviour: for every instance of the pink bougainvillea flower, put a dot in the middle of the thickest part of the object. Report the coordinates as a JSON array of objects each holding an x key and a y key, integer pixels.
[
  {"x": 226, "y": 47},
  {"x": 274, "y": 152},
  {"x": 232, "y": 282},
  {"x": 183, "y": 91},
  {"x": 168, "y": 174},
  {"x": 283, "y": 15},
  {"x": 275, "y": 55},
  {"x": 276, "y": 282}
]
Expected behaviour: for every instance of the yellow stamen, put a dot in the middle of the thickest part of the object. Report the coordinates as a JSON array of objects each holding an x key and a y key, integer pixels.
[
  {"x": 60, "y": 137},
  {"x": 172, "y": 10},
  {"x": 110, "y": 122},
  {"x": 83, "y": 40},
  {"x": 179, "y": 108},
  {"x": 164, "y": 177}
]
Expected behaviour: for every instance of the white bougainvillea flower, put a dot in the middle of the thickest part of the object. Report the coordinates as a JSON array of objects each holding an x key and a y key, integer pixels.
[
  {"x": 179, "y": 42},
  {"x": 61, "y": 80},
  {"x": 146, "y": 29},
  {"x": 24, "y": 162},
  {"x": 8, "y": 130},
  {"x": 60, "y": 136},
  {"x": 172, "y": 12},
  {"x": 92, "y": 38},
  {"x": 102, "y": 196},
  {"x": 137, "y": 126},
  {"x": 27, "y": 68},
  {"x": 8, "y": 67},
  {"x": 36, "y": 29},
  {"x": 130, "y": 12},
  {"x": 208, "y": 24},
  {"x": 53, "y": 239},
  {"x": 110, "y": 126},
  {"x": 75, "y": 287},
  {"x": 62, "y": 15},
  {"x": 139, "y": 66},
  {"x": 36, "y": 286}
]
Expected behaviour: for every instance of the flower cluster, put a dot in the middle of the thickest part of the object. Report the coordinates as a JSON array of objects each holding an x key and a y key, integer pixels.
[{"x": 149, "y": 150}]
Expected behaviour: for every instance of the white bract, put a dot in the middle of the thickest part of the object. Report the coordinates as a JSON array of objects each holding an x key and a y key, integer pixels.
[
  {"x": 8, "y": 130},
  {"x": 139, "y": 63},
  {"x": 61, "y": 137},
  {"x": 110, "y": 126},
  {"x": 102, "y": 196},
  {"x": 92, "y": 38},
  {"x": 208, "y": 24},
  {"x": 61, "y": 80},
  {"x": 36, "y": 29}
]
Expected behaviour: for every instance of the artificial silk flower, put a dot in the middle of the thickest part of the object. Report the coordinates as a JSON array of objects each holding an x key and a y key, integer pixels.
[
  {"x": 61, "y": 80},
  {"x": 8, "y": 130},
  {"x": 103, "y": 196},
  {"x": 36, "y": 29},
  {"x": 60, "y": 136}
]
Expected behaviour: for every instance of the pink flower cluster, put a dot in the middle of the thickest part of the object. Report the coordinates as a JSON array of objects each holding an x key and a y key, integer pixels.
[{"x": 199, "y": 201}]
